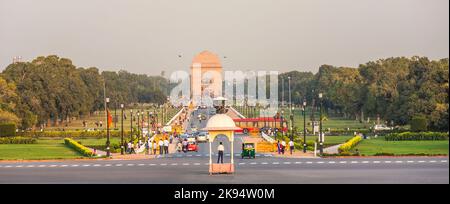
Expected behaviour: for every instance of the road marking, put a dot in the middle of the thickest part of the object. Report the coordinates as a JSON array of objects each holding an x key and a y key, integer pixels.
[
  {"x": 410, "y": 161},
  {"x": 227, "y": 154},
  {"x": 241, "y": 163},
  {"x": 206, "y": 163},
  {"x": 198, "y": 155},
  {"x": 30, "y": 166},
  {"x": 42, "y": 165},
  {"x": 87, "y": 165},
  {"x": 119, "y": 164},
  {"x": 309, "y": 162},
  {"x": 74, "y": 165},
  {"x": 365, "y": 162},
  {"x": 388, "y": 162},
  {"x": 320, "y": 162},
  {"x": 343, "y": 162},
  {"x": 107, "y": 164},
  {"x": 286, "y": 162},
  {"x": 298, "y": 162},
  {"x": 64, "y": 165},
  {"x": 398, "y": 161},
  {"x": 152, "y": 164},
  {"x": 163, "y": 164},
  {"x": 196, "y": 164},
  {"x": 264, "y": 163},
  {"x": 443, "y": 161},
  {"x": 186, "y": 164},
  {"x": 354, "y": 162},
  {"x": 96, "y": 164},
  {"x": 432, "y": 161},
  {"x": 141, "y": 164},
  {"x": 275, "y": 162},
  {"x": 421, "y": 161},
  {"x": 376, "y": 162},
  {"x": 174, "y": 164},
  {"x": 8, "y": 166},
  {"x": 52, "y": 165},
  {"x": 253, "y": 163},
  {"x": 19, "y": 166},
  {"x": 189, "y": 155},
  {"x": 331, "y": 162}
]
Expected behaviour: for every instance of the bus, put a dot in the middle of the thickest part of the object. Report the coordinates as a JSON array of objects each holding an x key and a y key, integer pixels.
[{"x": 260, "y": 124}]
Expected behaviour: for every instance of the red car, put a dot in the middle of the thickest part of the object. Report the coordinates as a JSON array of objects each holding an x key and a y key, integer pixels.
[{"x": 192, "y": 146}]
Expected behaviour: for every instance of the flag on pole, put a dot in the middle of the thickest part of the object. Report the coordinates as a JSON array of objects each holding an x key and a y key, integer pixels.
[{"x": 110, "y": 119}]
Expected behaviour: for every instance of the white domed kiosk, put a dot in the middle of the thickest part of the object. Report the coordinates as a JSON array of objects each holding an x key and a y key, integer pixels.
[{"x": 221, "y": 124}]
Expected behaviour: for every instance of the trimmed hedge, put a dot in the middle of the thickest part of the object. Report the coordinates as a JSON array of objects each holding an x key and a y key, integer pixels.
[
  {"x": 7, "y": 130},
  {"x": 416, "y": 136},
  {"x": 346, "y": 147},
  {"x": 78, "y": 147},
  {"x": 17, "y": 140},
  {"x": 418, "y": 123},
  {"x": 74, "y": 134}
]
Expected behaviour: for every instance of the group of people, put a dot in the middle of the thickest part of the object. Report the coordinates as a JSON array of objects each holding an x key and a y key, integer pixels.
[{"x": 281, "y": 146}]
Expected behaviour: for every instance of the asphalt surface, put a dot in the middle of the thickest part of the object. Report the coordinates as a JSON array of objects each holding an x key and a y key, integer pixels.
[{"x": 192, "y": 168}]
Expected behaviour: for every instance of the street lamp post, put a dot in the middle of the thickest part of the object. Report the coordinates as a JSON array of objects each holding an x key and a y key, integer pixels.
[
  {"x": 291, "y": 117},
  {"x": 108, "y": 153},
  {"x": 320, "y": 125},
  {"x": 131, "y": 123},
  {"x": 304, "y": 126},
  {"x": 138, "y": 128},
  {"x": 142, "y": 124},
  {"x": 121, "y": 131}
]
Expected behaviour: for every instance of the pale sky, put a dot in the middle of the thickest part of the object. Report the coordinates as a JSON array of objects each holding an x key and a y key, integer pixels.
[{"x": 147, "y": 36}]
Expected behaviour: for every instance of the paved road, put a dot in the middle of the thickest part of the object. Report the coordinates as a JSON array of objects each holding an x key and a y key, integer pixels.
[
  {"x": 259, "y": 170},
  {"x": 193, "y": 168}
]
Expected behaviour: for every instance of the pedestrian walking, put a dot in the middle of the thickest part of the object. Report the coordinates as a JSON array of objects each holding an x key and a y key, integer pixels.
[
  {"x": 291, "y": 146},
  {"x": 147, "y": 148},
  {"x": 155, "y": 147},
  {"x": 278, "y": 147},
  {"x": 220, "y": 150},
  {"x": 133, "y": 151},
  {"x": 161, "y": 146},
  {"x": 185, "y": 144},
  {"x": 129, "y": 147},
  {"x": 283, "y": 146},
  {"x": 166, "y": 146}
]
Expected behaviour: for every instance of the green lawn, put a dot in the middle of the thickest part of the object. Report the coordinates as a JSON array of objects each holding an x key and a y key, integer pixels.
[
  {"x": 379, "y": 145},
  {"x": 88, "y": 142},
  {"x": 44, "y": 149}
]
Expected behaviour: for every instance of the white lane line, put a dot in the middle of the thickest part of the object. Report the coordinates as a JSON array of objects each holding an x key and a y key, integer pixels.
[
  {"x": 141, "y": 164},
  {"x": 119, "y": 164},
  {"x": 198, "y": 155},
  {"x": 331, "y": 162},
  {"x": 130, "y": 164},
  {"x": 174, "y": 164},
  {"x": 388, "y": 162},
  {"x": 253, "y": 163},
  {"x": 365, "y": 162},
  {"x": 196, "y": 164},
  {"x": 74, "y": 165},
  {"x": 96, "y": 164},
  {"x": 241, "y": 163},
  {"x": 410, "y": 162},
  {"x": 189, "y": 155},
  {"x": 376, "y": 162},
  {"x": 443, "y": 161},
  {"x": 343, "y": 162},
  {"x": 186, "y": 164},
  {"x": 30, "y": 165},
  {"x": 8, "y": 166},
  {"x": 275, "y": 162},
  {"x": 227, "y": 154},
  {"x": 206, "y": 163},
  {"x": 87, "y": 165},
  {"x": 298, "y": 162},
  {"x": 42, "y": 165},
  {"x": 236, "y": 154},
  {"x": 107, "y": 164},
  {"x": 163, "y": 164},
  {"x": 398, "y": 161},
  {"x": 19, "y": 166},
  {"x": 321, "y": 162},
  {"x": 286, "y": 162},
  {"x": 421, "y": 161},
  {"x": 264, "y": 163},
  {"x": 152, "y": 164},
  {"x": 432, "y": 161},
  {"x": 354, "y": 162},
  {"x": 64, "y": 165}
]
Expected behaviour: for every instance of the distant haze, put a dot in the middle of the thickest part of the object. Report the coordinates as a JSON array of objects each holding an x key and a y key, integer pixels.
[{"x": 147, "y": 36}]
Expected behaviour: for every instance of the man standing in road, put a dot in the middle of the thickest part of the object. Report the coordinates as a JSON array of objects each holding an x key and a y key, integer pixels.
[
  {"x": 291, "y": 146},
  {"x": 220, "y": 149}
]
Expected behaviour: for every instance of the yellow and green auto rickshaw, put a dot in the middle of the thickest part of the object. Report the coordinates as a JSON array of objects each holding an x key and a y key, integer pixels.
[{"x": 248, "y": 150}]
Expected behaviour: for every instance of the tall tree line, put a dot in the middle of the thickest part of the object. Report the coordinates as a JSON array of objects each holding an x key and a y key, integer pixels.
[
  {"x": 395, "y": 89},
  {"x": 53, "y": 89}
]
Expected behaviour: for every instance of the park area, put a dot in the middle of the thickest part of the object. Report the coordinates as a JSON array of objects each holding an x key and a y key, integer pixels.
[{"x": 379, "y": 146}]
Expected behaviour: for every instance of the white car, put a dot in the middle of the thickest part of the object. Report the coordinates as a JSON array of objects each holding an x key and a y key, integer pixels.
[
  {"x": 382, "y": 127},
  {"x": 202, "y": 137},
  {"x": 191, "y": 138}
]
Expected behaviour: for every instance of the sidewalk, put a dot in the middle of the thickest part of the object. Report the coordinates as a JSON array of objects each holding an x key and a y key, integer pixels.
[{"x": 332, "y": 149}]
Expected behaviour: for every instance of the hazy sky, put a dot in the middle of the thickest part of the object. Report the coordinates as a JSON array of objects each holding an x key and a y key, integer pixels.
[{"x": 147, "y": 36}]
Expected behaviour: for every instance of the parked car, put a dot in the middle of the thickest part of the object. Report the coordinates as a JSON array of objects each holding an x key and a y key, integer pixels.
[
  {"x": 192, "y": 146},
  {"x": 381, "y": 127}
]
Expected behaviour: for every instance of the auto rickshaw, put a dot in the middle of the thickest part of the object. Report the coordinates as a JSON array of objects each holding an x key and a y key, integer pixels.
[{"x": 248, "y": 150}]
